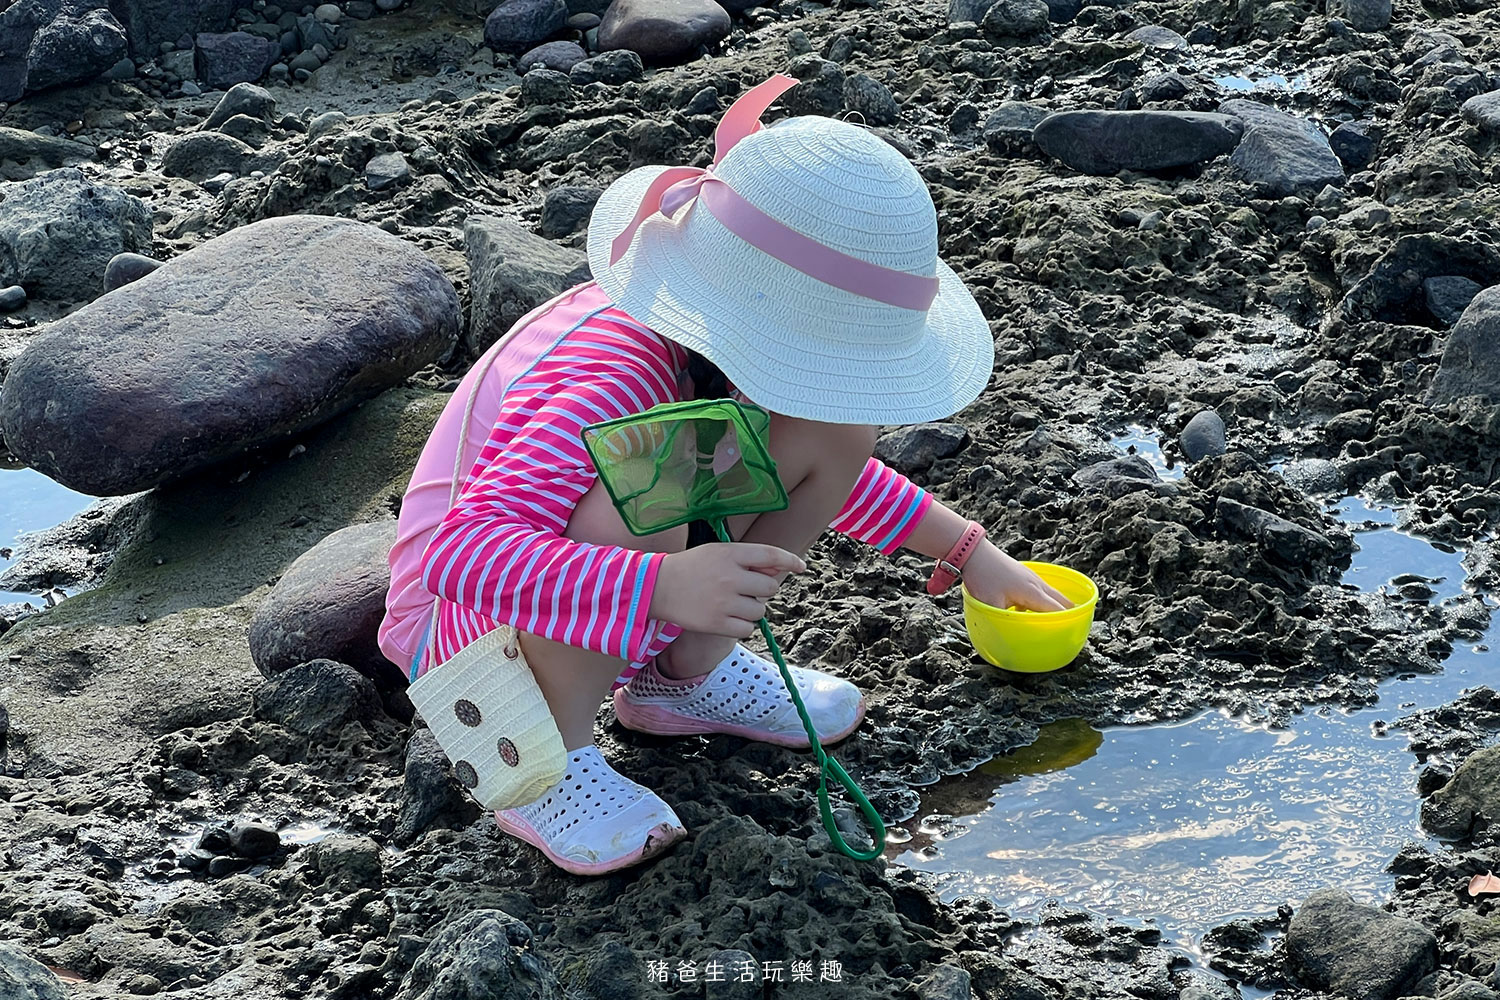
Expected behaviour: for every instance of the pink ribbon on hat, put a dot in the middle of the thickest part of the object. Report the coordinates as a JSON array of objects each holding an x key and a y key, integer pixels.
[{"x": 676, "y": 186}]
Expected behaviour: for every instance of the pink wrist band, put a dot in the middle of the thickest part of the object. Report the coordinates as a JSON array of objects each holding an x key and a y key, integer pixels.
[{"x": 950, "y": 568}]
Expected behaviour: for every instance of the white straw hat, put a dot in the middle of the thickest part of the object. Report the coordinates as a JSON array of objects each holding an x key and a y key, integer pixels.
[{"x": 793, "y": 343}]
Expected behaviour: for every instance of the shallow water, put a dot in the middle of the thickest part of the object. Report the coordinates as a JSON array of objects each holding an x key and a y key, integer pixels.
[
  {"x": 1191, "y": 824},
  {"x": 29, "y": 501},
  {"x": 1253, "y": 81},
  {"x": 1138, "y": 440}
]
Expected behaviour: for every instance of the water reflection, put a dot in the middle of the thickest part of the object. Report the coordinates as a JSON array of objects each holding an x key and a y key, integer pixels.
[
  {"x": 29, "y": 501},
  {"x": 1195, "y": 823}
]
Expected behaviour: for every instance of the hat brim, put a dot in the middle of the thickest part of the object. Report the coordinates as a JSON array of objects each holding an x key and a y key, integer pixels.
[{"x": 760, "y": 349}]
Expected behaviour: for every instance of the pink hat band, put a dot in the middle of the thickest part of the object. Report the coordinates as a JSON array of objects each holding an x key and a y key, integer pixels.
[{"x": 676, "y": 186}]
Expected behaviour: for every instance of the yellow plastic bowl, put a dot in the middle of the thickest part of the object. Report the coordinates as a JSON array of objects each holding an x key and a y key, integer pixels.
[{"x": 1034, "y": 642}]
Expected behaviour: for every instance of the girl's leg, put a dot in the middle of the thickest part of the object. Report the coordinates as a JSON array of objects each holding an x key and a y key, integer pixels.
[
  {"x": 819, "y": 465},
  {"x": 576, "y": 681}
]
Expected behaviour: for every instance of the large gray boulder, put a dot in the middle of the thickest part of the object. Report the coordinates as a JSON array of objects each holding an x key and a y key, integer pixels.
[
  {"x": 148, "y": 23},
  {"x": 518, "y": 25},
  {"x": 663, "y": 31},
  {"x": 1282, "y": 154},
  {"x": 483, "y": 953},
  {"x": 1334, "y": 943},
  {"x": 223, "y": 59},
  {"x": 1470, "y": 801},
  {"x": 1483, "y": 111},
  {"x": 74, "y": 48},
  {"x": 511, "y": 272},
  {"x": 1017, "y": 21},
  {"x": 198, "y": 156},
  {"x": 1470, "y": 365},
  {"x": 39, "y": 151},
  {"x": 265, "y": 331},
  {"x": 24, "y": 978},
  {"x": 59, "y": 230},
  {"x": 1106, "y": 142},
  {"x": 328, "y": 605}
]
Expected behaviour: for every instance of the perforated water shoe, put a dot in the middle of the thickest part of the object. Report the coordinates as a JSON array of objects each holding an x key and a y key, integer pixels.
[
  {"x": 594, "y": 820},
  {"x": 743, "y": 696}
]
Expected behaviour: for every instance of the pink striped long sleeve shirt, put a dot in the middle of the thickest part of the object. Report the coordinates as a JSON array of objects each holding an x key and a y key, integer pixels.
[{"x": 500, "y": 556}]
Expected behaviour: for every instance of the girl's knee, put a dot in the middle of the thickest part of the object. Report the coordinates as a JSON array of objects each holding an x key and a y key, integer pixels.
[{"x": 597, "y": 521}]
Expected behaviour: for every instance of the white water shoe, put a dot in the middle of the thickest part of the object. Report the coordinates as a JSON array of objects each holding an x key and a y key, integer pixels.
[
  {"x": 594, "y": 820},
  {"x": 743, "y": 696}
]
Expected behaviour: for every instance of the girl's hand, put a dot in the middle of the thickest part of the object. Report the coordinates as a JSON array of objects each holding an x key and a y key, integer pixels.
[
  {"x": 998, "y": 580},
  {"x": 722, "y": 587}
]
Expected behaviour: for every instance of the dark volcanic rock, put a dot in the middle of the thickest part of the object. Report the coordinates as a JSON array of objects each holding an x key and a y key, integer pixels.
[
  {"x": 24, "y": 978},
  {"x": 871, "y": 99},
  {"x": 59, "y": 230},
  {"x": 1105, "y": 142},
  {"x": 250, "y": 839},
  {"x": 1281, "y": 153},
  {"x": 1154, "y": 36},
  {"x": 227, "y": 58},
  {"x": 1203, "y": 437},
  {"x": 518, "y": 25},
  {"x": 1010, "y": 128},
  {"x": 318, "y": 698},
  {"x": 512, "y": 272},
  {"x": 1336, "y": 944},
  {"x": 148, "y": 23},
  {"x": 1448, "y": 295},
  {"x": 23, "y": 146},
  {"x": 1287, "y": 540},
  {"x": 1354, "y": 144},
  {"x": 127, "y": 267},
  {"x": 561, "y": 56},
  {"x": 1017, "y": 20},
  {"x": 260, "y": 333},
  {"x": 429, "y": 792},
  {"x": 821, "y": 91},
  {"x": 1362, "y": 15},
  {"x": 198, "y": 156},
  {"x": 242, "y": 99},
  {"x": 911, "y": 449},
  {"x": 565, "y": 210},
  {"x": 1483, "y": 110},
  {"x": 968, "y": 10},
  {"x": 484, "y": 953},
  {"x": 614, "y": 68},
  {"x": 1470, "y": 801},
  {"x": 663, "y": 31},
  {"x": 74, "y": 48},
  {"x": 328, "y": 605},
  {"x": 1470, "y": 365}
]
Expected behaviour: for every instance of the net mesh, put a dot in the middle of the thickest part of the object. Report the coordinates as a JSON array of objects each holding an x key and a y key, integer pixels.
[{"x": 681, "y": 462}]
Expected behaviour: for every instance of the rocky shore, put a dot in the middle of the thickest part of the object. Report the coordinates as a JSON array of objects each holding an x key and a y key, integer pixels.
[{"x": 245, "y": 255}]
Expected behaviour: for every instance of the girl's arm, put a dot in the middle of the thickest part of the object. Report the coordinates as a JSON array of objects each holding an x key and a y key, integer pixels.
[
  {"x": 888, "y": 511},
  {"x": 501, "y": 552}
]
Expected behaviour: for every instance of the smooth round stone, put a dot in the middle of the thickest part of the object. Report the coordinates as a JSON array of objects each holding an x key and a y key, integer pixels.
[
  {"x": 12, "y": 298},
  {"x": 583, "y": 21},
  {"x": 561, "y": 56},
  {"x": 329, "y": 13}
]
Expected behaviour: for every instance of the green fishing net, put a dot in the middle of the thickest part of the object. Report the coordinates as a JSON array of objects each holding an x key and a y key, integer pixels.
[
  {"x": 680, "y": 462},
  {"x": 706, "y": 460}
]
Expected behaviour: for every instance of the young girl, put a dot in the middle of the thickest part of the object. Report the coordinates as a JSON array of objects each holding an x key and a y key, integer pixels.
[{"x": 798, "y": 273}]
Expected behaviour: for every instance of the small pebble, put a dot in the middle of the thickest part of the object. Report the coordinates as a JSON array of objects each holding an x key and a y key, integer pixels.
[
  {"x": 1315, "y": 223},
  {"x": 1151, "y": 220},
  {"x": 328, "y": 13},
  {"x": 227, "y": 865}
]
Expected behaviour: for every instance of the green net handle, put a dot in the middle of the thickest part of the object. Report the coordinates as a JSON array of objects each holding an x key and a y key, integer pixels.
[{"x": 826, "y": 764}]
